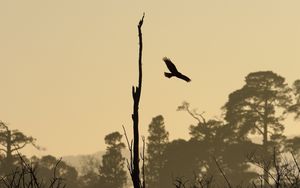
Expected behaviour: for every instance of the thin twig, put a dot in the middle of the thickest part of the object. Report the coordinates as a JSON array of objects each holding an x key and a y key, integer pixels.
[
  {"x": 129, "y": 165},
  {"x": 223, "y": 174}
]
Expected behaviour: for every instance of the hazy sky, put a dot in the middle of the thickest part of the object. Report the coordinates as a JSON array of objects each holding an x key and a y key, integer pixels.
[{"x": 67, "y": 66}]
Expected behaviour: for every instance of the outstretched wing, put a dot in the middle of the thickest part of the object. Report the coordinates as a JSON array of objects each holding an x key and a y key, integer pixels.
[
  {"x": 184, "y": 77},
  {"x": 170, "y": 65}
]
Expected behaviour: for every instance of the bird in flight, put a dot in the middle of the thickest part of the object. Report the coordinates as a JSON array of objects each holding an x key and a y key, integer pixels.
[{"x": 173, "y": 71}]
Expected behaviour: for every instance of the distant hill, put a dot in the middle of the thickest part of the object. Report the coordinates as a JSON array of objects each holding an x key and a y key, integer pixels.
[{"x": 76, "y": 160}]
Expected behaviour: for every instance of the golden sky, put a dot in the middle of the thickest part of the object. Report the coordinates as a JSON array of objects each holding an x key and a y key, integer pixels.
[{"x": 67, "y": 66}]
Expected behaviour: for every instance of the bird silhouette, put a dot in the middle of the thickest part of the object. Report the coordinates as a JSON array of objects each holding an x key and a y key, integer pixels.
[{"x": 173, "y": 71}]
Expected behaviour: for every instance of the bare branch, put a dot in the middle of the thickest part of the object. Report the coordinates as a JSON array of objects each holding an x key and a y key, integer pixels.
[{"x": 223, "y": 174}]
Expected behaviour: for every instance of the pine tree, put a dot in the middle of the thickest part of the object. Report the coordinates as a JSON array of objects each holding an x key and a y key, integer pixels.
[
  {"x": 112, "y": 172},
  {"x": 11, "y": 142},
  {"x": 259, "y": 107},
  {"x": 156, "y": 144}
]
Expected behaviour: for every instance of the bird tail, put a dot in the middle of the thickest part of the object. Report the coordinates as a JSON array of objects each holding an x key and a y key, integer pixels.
[{"x": 168, "y": 75}]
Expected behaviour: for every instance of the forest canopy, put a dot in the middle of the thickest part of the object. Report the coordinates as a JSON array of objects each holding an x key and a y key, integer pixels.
[{"x": 244, "y": 148}]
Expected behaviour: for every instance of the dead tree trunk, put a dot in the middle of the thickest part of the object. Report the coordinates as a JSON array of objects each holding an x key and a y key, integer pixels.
[{"x": 136, "y": 94}]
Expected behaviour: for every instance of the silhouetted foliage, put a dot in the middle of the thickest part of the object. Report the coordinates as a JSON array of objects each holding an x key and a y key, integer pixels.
[
  {"x": 286, "y": 172},
  {"x": 259, "y": 107},
  {"x": 181, "y": 161},
  {"x": 111, "y": 172},
  {"x": 90, "y": 172},
  {"x": 219, "y": 152},
  {"x": 156, "y": 144},
  {"x": 295, "y": 108},
  {"x": 292, "y": 145},
  {"x": 26, "y": 175},
  {"x": 214, "y": 139},
  {"x": 12, "y": 141},
  {"x": 46, "y": 166}
]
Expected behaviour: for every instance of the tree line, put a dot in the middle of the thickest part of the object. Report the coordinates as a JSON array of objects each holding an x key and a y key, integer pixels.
[
  {"x": 219, "y": 152},
  {"x": 222, "y": 152}
]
